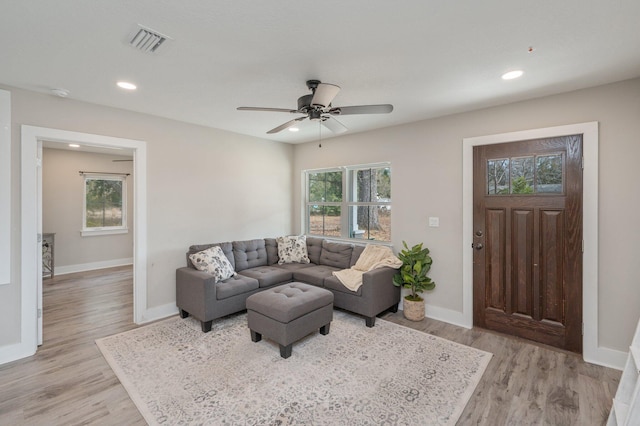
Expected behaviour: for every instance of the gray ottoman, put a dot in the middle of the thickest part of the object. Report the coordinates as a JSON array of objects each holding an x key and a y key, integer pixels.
[{"x": 289, "y": 312}]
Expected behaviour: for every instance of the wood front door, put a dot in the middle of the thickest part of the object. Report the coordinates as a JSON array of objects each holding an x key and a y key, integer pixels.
[{"x": 527, "y": 262}]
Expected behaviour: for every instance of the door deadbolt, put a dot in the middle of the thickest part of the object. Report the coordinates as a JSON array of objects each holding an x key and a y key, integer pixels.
[{"x": 479, "y": 233}]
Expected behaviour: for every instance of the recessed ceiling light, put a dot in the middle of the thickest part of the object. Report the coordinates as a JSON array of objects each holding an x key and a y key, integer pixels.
[
  {"x": 74, "y": 145},
  {"x": 293, "y": 129},
  {"x": 512, "y": 74},
  {"x": 126, "y": 85}
]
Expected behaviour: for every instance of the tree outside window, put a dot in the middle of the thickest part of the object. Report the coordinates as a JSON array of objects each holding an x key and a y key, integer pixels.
[
  {"x": 350, "y": 202},
  {"x": 105, "y": 203}
]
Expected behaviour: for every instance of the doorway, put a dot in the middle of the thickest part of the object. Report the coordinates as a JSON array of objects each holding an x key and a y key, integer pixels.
[
  {"x": 527, "y": 226},
  {"x": 591, "y": 349},
  {"x": 31, "y": 205}
]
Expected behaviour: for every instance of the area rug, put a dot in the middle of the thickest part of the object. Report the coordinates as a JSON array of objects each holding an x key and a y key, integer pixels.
[{"x": 388, "y": 374}]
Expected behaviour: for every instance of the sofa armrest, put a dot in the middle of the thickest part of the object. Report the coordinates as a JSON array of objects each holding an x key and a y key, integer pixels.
[
  {"x": 195, "y": 290},
  {"x": 378, "y": 289}
]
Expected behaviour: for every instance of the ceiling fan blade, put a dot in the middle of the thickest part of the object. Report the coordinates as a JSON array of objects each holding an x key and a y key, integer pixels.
[
  {"x": 265, "y": 109},
  {"x": 362, "y": 109},
  {"x": 334, "y": 125},
  {"x": 324, "y": 94},
  {"x": 285, "y": 125}
]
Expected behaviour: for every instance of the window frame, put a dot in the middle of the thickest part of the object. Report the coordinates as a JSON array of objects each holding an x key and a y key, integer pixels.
[
  {"x": 104, "y": 230},
  {"x": 349, "y": 189}
]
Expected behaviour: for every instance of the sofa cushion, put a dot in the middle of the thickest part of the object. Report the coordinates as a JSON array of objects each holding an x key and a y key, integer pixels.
[
  {"x": 314, "y": 248},
  {"x": 249, "y": 254},
  {"x": 292, "y": 267},
  {"x": 314, "y": 275},
  {"x": 271, "y": 245},
  {"x": 268, "y": 275},
  {"x": 214, "y": 262},
  {"x": 238, "y": 284},
  {"x": 337, "y": 255},
  {"x": 227, "y": 249},
  {"x": 334, "y": 284},
  {"x": 355, "y": 255},
  {"x": 292, "y": 249}
]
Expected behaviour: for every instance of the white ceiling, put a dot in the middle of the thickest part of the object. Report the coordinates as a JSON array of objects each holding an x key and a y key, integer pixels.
[{"x": 427, "y": 58}]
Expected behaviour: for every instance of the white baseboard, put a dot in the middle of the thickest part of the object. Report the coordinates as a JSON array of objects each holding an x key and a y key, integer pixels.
[
  {"x": 607, "y": 357},
  {"x": 14, "y": 352},
  {"x": 158, "y": 312},
  {"x": 81, "y": 267},
  {"x": 445, "y": 315},
  {"x": 441, "y": 314}
]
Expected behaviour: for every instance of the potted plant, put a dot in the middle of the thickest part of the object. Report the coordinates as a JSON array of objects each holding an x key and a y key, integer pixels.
[{"x": 416, "y": 263}]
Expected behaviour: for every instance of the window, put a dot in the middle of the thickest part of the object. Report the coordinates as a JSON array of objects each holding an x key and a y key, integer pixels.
[
  {"x": 350, "y": 202},
  {"x": 539, "y": 174},
  {"x": 105, "y": 205}
]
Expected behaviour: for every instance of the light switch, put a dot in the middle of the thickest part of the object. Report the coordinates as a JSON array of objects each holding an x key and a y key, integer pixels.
[{"x": 434, "y": 222}]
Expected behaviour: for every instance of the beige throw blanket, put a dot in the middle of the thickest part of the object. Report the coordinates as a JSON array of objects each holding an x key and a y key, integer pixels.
[{"x": 373, "y": 256}]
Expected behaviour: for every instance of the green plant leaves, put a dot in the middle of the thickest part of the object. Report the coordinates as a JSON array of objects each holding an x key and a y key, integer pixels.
[{"x": 416, "y": 263}]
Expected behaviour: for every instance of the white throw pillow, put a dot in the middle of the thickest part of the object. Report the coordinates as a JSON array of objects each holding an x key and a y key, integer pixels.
[
  {"x": 213, "y": 261},
  {"x": 292, "y": 249}
]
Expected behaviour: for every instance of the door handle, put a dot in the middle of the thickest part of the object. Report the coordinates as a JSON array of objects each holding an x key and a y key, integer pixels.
[{"x": 477, "y": 246}]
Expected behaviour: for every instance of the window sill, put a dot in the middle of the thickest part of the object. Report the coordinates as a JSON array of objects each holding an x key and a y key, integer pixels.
[
  {"x": 97, "y": 232},
  {"x": 354, "y": 241}
]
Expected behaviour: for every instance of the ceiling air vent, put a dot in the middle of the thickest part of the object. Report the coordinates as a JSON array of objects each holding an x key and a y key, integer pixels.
[{"x": 147, "y": 40}]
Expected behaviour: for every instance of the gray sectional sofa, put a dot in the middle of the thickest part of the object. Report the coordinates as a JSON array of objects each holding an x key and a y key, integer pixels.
[{"x": 256, "y": 264}]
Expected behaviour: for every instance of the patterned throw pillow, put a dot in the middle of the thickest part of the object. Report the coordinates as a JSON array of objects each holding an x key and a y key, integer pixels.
[
  {"x": 292, "y": 249},
  {"x": 213, "y": 261}
]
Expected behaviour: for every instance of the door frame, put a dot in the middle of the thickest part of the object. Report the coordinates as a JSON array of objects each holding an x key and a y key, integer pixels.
[
  {"x": 592, "y": 352},
  {"x": 31, "y": 213}
]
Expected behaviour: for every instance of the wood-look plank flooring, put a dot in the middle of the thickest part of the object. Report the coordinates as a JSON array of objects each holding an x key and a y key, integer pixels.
[
  {"x": 527, "y": 383},
  {"x": 67, "y": 382}
]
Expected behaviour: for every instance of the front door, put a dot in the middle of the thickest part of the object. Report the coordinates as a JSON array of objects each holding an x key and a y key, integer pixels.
[{"x": 527, "y": 262}]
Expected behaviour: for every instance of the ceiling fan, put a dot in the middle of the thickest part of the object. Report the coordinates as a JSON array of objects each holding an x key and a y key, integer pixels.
[{"x": 317, "y": 107}]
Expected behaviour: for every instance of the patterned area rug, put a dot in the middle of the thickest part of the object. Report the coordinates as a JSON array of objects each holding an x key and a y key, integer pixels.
[{"x": 388, "y": 374}]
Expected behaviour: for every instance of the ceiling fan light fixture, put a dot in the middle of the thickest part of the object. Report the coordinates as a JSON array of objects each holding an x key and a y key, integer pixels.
[
  {"x": 315, "y": 115},
  {"x": 318, "y": 107}
]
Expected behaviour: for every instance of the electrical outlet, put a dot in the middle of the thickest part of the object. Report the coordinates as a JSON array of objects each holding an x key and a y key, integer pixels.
[{"x": 434, "y": 222}]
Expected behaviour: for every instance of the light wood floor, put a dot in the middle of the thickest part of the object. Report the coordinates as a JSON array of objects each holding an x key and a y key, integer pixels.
[{"x": 68, "y": 382}]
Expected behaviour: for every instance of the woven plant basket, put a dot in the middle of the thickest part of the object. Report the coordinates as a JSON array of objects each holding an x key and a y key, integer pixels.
[{"x": 413, "y": 311}]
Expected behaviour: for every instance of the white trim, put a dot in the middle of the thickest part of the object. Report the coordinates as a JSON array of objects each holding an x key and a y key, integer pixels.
[
  {"x": 5, "y": 187},
  {"x": 14, "y": 352},
  {"x": 592, "y": 352},
  {"x": 103, "y": 231},
  {"x": 608, "y": 358},
  {"x": 92, "y": 266},
  {"x": 446, "y": 315},
  {"x": 349, "y": 188},
  {"x": 438, "y": 313},
  {"x": 159, "y": 312},
  {"x": 29, "y": 204}
]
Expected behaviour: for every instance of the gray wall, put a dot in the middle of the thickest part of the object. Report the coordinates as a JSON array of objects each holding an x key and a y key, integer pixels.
[
  {"x": 203, "y": 185},
  {"x": 224, "y": 186},
  {"x": 426, "y": 159},
  {"x": 62, "y": 206}
]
